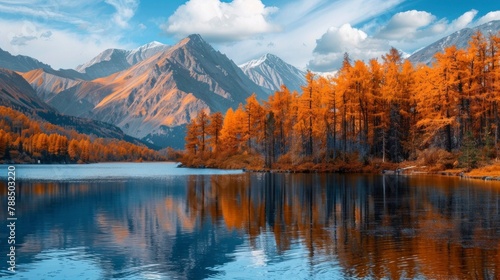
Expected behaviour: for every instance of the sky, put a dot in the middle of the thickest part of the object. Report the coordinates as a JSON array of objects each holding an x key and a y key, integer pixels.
[{"x": 309, "y": 34}]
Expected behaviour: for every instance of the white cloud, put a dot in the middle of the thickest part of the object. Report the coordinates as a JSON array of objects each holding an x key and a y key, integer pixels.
[
  {"x": 406, "y": 31},
  {"x": 125, "y": 10},
  {"x": 330, "y": 48},
  {"x": 405, "y": 24},
  {"x": 40, "y": 13},
  {"x": 418, "y": 28},
  {"x": 340, "y": 39},
  {"x": 59, "y": 48},
  {"x": 220, "y": 21},
  {"x": 463, "y": 21},
  {"x": 494, "y": 15}
]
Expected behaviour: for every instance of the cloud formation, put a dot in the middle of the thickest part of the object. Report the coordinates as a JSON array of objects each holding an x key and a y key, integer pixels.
[
  {"x": 21, "y": 40},
  {"x": 330, "y": 48},
  {"x": 125, "y": 10},
  {"x": 59, "y": 48},
  {"x": 220, "y": 21},
  {"x": 65, "y": 33},
  {"x": 494, "y": 15},
  {"x": 405, "y": 24},
  {"x": 463, "y": 20}
]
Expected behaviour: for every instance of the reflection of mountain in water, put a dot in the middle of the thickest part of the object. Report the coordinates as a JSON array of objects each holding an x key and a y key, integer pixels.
[
  {"x": 190, "y": 227},
  {"x": 123, "y": 224}
]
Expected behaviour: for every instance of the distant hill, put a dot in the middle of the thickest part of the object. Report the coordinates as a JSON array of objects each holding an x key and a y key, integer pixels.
[{"x": 460, "y": 39}]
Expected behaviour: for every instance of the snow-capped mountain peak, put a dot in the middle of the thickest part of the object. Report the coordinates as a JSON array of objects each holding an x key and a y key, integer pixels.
[
  {"x": 145, "y": 51},
  {"x": 253, "y": 63},
  {"x": 270, "y": 72},
  {"x": 115, "y": 60},
  {"x": 150, "y": 45}
]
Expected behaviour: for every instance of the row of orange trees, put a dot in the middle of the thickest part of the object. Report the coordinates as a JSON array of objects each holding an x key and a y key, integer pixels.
[
  {"x": 24, "y": 139},
  {"x": 388, "y": 109}
]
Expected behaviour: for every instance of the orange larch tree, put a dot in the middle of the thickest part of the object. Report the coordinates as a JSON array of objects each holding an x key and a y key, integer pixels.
[{"x": 214, "y": 130}]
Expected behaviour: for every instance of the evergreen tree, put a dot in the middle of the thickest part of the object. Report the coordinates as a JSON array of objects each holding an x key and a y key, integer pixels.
[{"x": 469, "y": 152}]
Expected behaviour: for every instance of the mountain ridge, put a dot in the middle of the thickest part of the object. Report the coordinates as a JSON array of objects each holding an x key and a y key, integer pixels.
[{"x": 20, "y": 63}]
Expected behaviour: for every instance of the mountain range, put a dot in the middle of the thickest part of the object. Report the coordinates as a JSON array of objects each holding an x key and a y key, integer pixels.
[
  {"x": 150, "y": 92},
  {"x": 153, "y": 91}
]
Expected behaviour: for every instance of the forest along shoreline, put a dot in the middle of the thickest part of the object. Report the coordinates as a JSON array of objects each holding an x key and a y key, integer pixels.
[
  {"x": 485, "y": 173},
  {"x": 369, "y": 117}
]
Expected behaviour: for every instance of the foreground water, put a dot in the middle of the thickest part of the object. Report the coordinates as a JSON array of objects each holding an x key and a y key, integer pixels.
[{"x": 156, "y": 221}]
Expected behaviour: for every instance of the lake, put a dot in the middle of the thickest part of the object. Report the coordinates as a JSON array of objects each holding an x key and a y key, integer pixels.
[{"x": 157, "y": 221}]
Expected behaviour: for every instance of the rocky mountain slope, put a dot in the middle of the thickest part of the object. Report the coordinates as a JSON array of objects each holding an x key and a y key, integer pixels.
[{"x": 16, "y": 93}]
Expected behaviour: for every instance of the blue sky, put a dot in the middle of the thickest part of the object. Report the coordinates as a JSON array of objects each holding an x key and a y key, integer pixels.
[{"x": 310, "y": 34}]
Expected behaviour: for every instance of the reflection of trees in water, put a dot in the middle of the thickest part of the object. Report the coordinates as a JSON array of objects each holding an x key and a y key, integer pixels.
[
  {"x": 397, "y": 227},
  {"x": 125, "y": 225}
]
